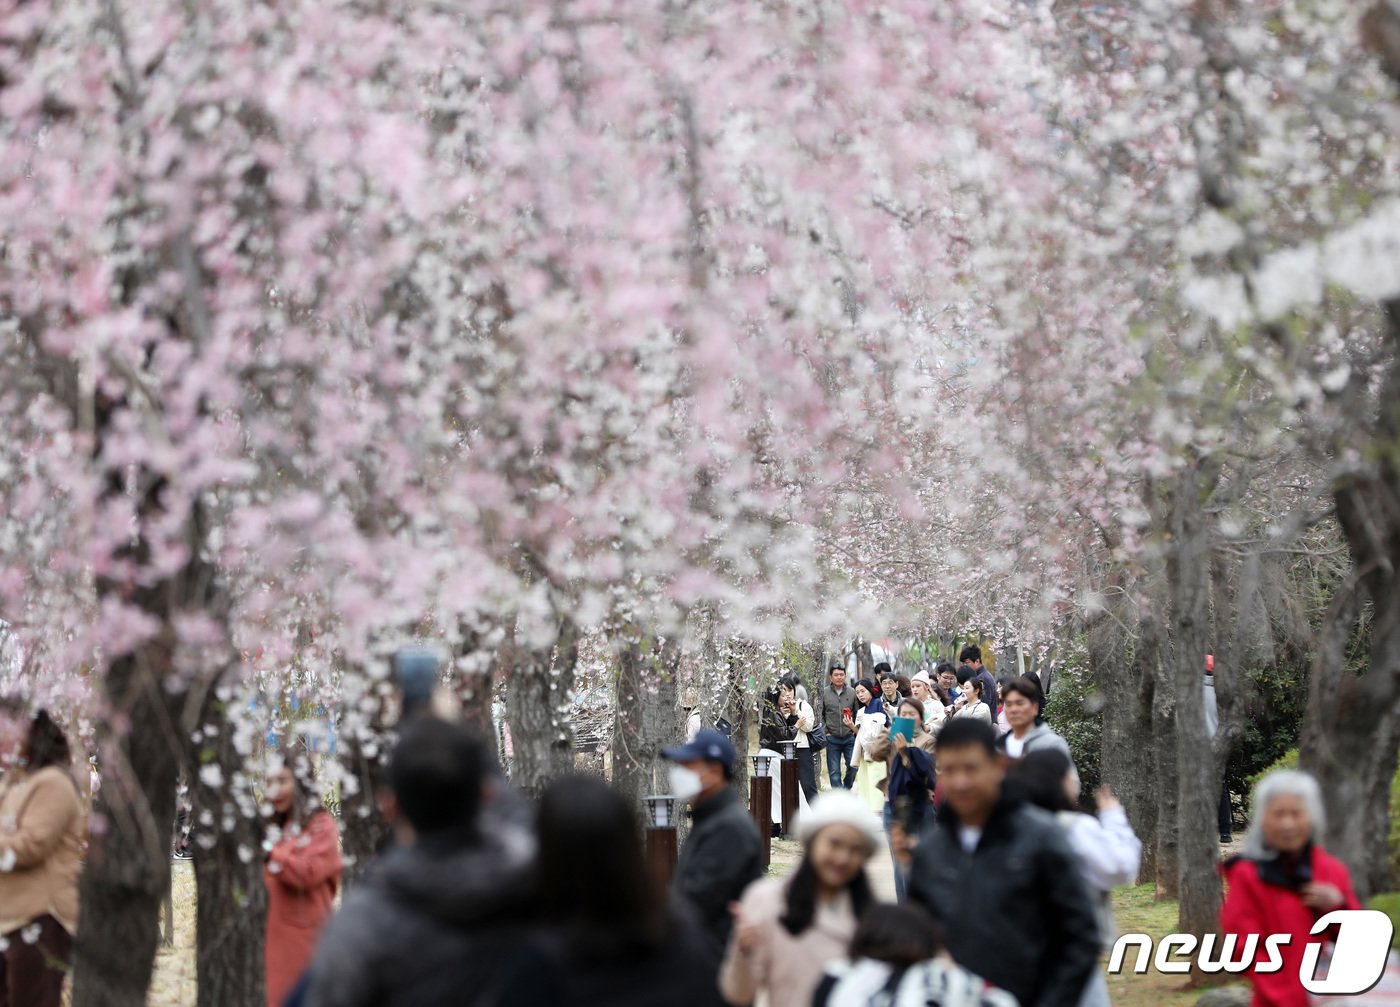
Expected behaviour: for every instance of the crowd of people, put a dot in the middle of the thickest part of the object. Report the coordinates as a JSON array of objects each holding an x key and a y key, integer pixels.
[{"x": 477, "y": 896}]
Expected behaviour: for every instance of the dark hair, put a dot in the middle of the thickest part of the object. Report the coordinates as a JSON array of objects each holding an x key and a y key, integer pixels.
[
  {"x": 436, "y": 773},
  {"x": 801, "y": 909},
  {"x": 591, "y": 872},
  {"x": 835, "y": 667},
  {"x": 883, "y": 670},
  {"x": 1040, "y": 776},
  {"x": 974, "y": 682},
  {"x": 906, "y": 687},
  {"x": 972, "y": 652},
  {"x": 1003, "y": 682},
  {"x": 46, "y": 744},
  {"x": 965, "y": 673},
  {"x": 1027, "y": 687},
  {"x": 944, "y": 666},
  {"x": 963, "y": 732},
  {"x": 898, "y": 935},
  {"x": 303, "y": 772},
  {"x": 915, "y": 704},
  {"x": 869, "y": 686},
  {"x": 789, "y": 681}
]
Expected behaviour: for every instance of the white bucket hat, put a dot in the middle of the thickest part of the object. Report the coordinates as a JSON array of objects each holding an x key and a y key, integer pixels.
[{"x": 840, "y": 807}]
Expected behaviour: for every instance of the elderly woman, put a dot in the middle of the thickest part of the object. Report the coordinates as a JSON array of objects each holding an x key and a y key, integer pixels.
[
  {"x": 1283, "y": 881},
  {"x": 787, "y": 930}
]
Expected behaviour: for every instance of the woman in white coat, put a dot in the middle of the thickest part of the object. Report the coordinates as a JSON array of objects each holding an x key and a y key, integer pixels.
[{"x": 1108, "y": 851}]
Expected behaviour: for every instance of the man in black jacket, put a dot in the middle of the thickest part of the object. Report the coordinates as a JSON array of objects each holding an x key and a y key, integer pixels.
[
  {"x": 724, "y": 852},
  {"x": 1002, "y": 880},
  {"x": 435, "y": 917}
]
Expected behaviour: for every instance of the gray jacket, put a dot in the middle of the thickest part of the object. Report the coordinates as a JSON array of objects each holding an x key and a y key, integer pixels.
[
  {"x": 828, "y": 709},
  {"x": 1040, "y": 737}
]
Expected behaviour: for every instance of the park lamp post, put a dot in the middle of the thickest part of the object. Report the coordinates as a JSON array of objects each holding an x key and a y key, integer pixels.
[
  {"x": 788, "y": 784},
  {"x": 661, "y": 845},
  {"x": 761, "y": 803},
  {"x": 661, "y": 811}
]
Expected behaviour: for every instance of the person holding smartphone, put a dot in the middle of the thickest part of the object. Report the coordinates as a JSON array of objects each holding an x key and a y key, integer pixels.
[
  {"x": 835, "y": 702},
  {"x": 909, "y": 781}
]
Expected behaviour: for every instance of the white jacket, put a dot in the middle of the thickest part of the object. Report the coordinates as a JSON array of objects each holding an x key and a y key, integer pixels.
[
  {"x": 864, "y": 984},
  {"x": 806, "y": 720}
]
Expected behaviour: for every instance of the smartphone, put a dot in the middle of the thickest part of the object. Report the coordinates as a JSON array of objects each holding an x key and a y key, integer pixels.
[
  {"x": 845, "y": 711},
  {"x": 416, "y": 673}
]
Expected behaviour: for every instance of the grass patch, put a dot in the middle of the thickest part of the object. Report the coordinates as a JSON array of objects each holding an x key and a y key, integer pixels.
[
  {"x": 787, "y": 854},
  {"x": 1137, "y": 912}
]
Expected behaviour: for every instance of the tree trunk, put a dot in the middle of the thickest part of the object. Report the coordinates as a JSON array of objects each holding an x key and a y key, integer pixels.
[
  {"x": 647, "y": 715},
  {"x": 537, "y": 695},
  {"x": 472, "y": 682},
  {"x": 362, "y": 829},
  {"x": 1122, "y": 675},
  {"x": 1351, "y": 731},
  {"x": 228, "y": 865},
  {"x": 128, "y": 860},
  {"x": 1198, "y": 784},
  {"x": 737, "y": 706},
  {"x": 865, "y": 660}
]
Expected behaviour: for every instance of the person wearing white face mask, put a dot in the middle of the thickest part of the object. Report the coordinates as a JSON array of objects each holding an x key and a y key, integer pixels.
[{"x": 723, "y": 853}]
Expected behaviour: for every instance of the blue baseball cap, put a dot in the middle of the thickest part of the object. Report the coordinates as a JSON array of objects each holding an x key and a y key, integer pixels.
[{"x": 708, "y": 745}]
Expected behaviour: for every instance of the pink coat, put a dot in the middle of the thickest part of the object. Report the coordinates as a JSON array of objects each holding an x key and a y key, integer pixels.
[{"x": 788, "y": 967}]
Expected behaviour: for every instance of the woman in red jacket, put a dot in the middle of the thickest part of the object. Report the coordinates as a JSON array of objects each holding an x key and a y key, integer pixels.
[
  {"x": 1283, "y": 882},
  {"x": 302, "y": 875}
]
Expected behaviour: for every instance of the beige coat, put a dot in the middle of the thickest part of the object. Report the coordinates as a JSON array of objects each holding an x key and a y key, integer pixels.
[
  {"x": 788, "y": 968},
  {"x": 43, "y": 830}
]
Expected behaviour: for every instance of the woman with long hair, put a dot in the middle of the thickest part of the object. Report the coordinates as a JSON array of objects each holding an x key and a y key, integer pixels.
[
  {"x": 302, "y": 872},
  {"x": 607, "y": 933},
  {"x": 971, "y": 705},
  {"x": 787, "y": 930},
  {"x": 909, "y": 782},
  {"x": 1002, "y": 725},
  {"x": 1283, "y": 882},
  {"x": 43, "y": 829},
  {"x": 870, "y": 723},
  {"x": 1108, "y": 851}
]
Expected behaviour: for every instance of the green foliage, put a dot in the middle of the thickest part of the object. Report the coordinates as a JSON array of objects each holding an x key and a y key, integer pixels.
[
  {"x": 1273, "y": 716},
  {"x": 1289, "y": 760},
  {"x": 1389, "y": 903},
  {"x": 1395, "y": 833},
  {"x": 794, "y": 658},
  {"x": 1074, "y": 710}
]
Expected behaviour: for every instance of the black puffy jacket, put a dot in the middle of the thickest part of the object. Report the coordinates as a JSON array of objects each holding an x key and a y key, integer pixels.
[
  {"x": 1016, "y": 910},
  {"x": 721, "y": 857},
  {"x": 430, "y": 925}
]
